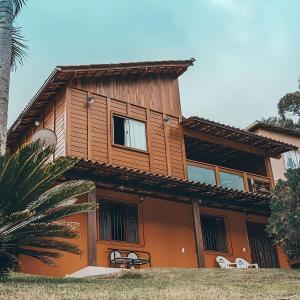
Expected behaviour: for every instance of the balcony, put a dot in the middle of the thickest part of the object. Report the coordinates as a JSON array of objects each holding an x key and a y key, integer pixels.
[{"x": 228, "y": 178}]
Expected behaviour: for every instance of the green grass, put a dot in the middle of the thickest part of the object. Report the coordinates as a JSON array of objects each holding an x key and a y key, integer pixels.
[{"x": 160, "y": 284}]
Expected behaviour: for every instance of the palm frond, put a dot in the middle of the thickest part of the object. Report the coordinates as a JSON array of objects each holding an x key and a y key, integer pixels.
[
  {"x": 52, "y": 244},
  {"x": 47, "y": 257},
  {"x": 18, "y": 48},
  {"x": 18, "y": 4},
  {"x": 32, "y": 205}
]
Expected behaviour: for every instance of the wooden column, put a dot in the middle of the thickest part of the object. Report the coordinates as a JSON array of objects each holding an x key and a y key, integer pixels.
[
  {"x": 92, "y": 231},
  {"x": 198, "y": 234},
  {"x": 269, "y": 170}
]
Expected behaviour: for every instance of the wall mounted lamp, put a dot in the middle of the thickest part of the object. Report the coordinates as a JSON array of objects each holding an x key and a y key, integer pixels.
[
  {"x": 90, "y": 100},
  {"x": 166, "y": 119}
]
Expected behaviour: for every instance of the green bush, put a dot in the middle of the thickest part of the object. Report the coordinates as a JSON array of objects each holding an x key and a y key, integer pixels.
[{"x": 284, "y": 222}]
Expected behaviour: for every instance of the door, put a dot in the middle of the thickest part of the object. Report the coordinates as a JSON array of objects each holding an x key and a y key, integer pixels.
[{"x": 262, "y": 250}]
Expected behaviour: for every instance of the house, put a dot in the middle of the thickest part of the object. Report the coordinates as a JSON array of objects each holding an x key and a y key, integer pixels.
[
  {"x": 181, "y": 190},
  {"x": 290, "y": 159}
]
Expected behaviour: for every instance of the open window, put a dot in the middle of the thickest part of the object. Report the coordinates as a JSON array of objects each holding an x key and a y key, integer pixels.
[{"x": 130, "y": 133}]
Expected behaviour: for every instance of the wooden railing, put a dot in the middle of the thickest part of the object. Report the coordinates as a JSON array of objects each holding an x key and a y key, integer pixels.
[{"x": 225, "y": 177}]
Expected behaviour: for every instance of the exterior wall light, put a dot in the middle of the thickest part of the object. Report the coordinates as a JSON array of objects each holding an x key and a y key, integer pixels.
[
  {"x": 90, "y": 100},
  {"x": 37, "y": 123},
  {"x": 166, "y": 119}
]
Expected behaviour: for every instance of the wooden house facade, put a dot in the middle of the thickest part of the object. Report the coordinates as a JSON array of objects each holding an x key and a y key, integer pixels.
[{"x": 181, "y": 190}]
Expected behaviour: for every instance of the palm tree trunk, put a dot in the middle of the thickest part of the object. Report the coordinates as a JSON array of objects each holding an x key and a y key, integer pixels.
[{"x": 6, "y": 20}]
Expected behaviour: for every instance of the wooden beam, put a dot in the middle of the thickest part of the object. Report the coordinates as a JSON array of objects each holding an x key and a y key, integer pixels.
[
  {"x": 92, "y": 231},
  {"x": 224, "y": 142},
  {"x": 198, "y": 234}
]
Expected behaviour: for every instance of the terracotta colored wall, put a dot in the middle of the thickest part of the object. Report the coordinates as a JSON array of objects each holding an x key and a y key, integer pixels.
[
  {"x": 67, "y": 264},
  {"x": 237, "y": 237},
  {"x": 278, "y": 166},
  {"x": 165, "y": 228}
]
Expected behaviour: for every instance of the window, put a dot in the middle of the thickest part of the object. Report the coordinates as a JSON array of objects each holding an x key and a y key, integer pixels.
[
  {"x": 214, "y": 233},
  {"x": 129, "y": 133},
  {"x": 201, "y": 174},
  {"x": 118, "y": 222},
  {"x": 232, "y": 181},
  {"x": 291, "y": 159}
]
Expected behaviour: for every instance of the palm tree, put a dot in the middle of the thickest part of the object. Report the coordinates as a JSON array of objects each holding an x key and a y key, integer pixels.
[
  {"x": 12, "y": 50},
  {"x": 33, "y": 207}
]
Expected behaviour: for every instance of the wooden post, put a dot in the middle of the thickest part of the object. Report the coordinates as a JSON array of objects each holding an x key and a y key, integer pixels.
[
  {"x": 198, "y": 234},
  {"x": 269, "y": 170},
  {"x": 92, "y": 231}
]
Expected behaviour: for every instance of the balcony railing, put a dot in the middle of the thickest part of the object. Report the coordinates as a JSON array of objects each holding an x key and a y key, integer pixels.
[{"x": 229, "y": 178}]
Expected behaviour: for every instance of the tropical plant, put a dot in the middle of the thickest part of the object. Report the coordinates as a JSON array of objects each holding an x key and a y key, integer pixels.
[
  {"x": 12, "y": 51},
  {"x": 284, "y": 221},
  {"x": 33, "y": 206}
]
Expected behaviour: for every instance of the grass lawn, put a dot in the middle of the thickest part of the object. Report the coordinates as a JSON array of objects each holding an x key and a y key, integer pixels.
[{"x": 160, "y": 284}]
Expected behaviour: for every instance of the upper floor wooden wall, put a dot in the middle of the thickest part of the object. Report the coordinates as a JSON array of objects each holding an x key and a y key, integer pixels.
[
  {"x": 86, "y": 131},
  {"x": 89, "y": 128}
]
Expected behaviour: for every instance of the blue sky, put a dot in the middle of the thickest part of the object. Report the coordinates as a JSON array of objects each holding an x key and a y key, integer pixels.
[{"x": 247, "y": 51}]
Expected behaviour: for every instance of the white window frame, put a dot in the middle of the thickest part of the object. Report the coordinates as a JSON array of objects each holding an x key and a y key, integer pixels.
[{"x": 129, "y": 141}]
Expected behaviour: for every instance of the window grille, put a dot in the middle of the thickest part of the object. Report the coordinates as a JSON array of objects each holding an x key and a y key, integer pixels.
[
  {"x": 214, "y": 233},
  {"x": 118, "y": 222}
]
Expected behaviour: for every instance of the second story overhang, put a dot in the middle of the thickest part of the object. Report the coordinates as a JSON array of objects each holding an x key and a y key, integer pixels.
[
  {"x": 122, "y": 179},
  {"x": 198, "y": 130}
]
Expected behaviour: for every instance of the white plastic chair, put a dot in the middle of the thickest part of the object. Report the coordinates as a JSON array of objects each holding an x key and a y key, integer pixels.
[
  {"x": 225, "y": 263},
  {"x": 243, "y": 264},
  {"x": 117, "y": 258}
]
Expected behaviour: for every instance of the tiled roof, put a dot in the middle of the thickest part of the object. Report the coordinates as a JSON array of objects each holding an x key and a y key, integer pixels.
[
  {"x": 270, "y": 146},
  {"x": 147, "y": 183},
  {"x": 270, "y": 127}
]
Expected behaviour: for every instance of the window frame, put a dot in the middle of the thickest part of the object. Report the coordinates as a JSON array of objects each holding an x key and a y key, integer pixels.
[
  {"x": 139, "y": 224},
  {"x": 227, "y": 235},
  {"x": 113, "y": 114},
  {"x": 285, "y": 159}
]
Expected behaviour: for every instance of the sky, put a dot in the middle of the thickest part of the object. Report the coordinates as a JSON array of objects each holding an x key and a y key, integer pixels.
[{"x": 247, "y": 51}]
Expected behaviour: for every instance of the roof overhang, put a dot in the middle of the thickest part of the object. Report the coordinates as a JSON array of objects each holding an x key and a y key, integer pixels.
[
  {"x": 62, "y": 75},
  {"x": 228, "y": 136},
  {"x": 169, "y": 188},
  {"x": 270, "y": 127}
]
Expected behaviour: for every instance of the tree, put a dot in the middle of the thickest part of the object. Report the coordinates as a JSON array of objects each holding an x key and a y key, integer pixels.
[
  {"x": 284, "y": 221},
  {"x": 290, "y": 103},
  {"x": 288, "y": 111},
  {"x": 12, "y": 51},
  {"x": 33, "y": 208}
]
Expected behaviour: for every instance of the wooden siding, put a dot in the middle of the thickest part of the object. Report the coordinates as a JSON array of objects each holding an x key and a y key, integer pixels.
[
  {"x": 158, "y": 150},
  {"x": 90, "y": 134},
  {"x": 54, "y": 118},
  {"x": 174, "y": 136},
  {"x": 158, "y": 93}
]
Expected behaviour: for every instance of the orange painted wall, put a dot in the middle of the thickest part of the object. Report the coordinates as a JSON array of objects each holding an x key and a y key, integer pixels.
[
  {"x": 165, "y": 227},
  {"x": 67, "y": 264},
  {"x": 237, "y": 237}
]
